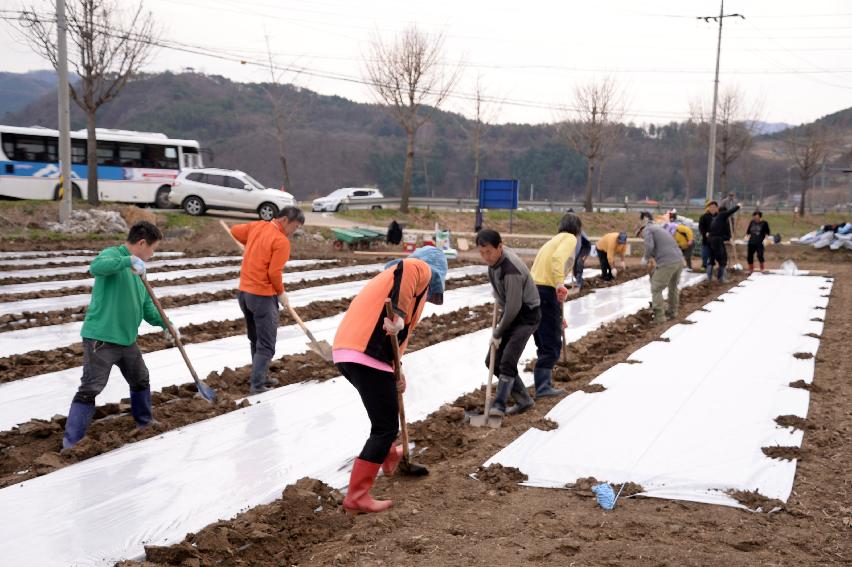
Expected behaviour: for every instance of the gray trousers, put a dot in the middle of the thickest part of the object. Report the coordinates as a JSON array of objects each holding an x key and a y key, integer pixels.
[
  {"x": 261, "y": 313},
  {"x": 98, "y": 360},
  {"x": 663, "y": 277}
]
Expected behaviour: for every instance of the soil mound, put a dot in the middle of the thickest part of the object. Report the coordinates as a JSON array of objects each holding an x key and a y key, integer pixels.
[{"x": 503, "y": 479}]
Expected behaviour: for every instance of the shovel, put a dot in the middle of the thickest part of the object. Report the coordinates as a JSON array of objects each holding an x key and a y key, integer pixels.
[
  {"x": 206, "y": 391},
  {"x": 485, "y": 419},
  {"x": 406, "y": 467},
  {"x": 322, "y": 348}
]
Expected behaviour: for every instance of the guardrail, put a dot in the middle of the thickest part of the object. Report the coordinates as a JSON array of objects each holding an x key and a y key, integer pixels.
[{"x": 460, "y": 204}]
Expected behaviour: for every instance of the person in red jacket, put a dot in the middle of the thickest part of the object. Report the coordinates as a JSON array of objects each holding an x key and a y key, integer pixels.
[
  {"x": 267, "y": 249},
  {"x": 363, "y": 353}
]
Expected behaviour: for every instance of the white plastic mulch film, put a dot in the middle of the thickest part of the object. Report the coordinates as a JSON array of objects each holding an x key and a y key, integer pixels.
[
  {"x": 156, "y": 491},
  {"x": 45, "y": 304},
  {"x": 690, "y": 420},
  {"x": 84, "y": 268}
]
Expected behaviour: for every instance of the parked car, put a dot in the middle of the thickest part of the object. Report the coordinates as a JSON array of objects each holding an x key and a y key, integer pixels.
[
  {"x": 347, "y": 195},
  {"x": 196, "y": 190}
]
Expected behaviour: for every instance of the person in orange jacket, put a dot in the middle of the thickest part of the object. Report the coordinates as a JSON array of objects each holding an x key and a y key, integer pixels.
[
  {"x": 363, "y": 353},
  {"x": 267, "y": 249}
]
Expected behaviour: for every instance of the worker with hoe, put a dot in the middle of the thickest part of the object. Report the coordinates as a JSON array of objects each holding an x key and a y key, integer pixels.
[
  {"x": 267, "y": 249},
  {"x": 554, "y": 260},
  {"x": 608, "y": 247},
  {"x": 757, "y": 231},
  {"x": 119, "y": 303},
  {"x": 515, "y": 292},
  {"x": 720, "y": 232},
  {"x": 711, "y": 209},
  {"x": 363, "y": 353},
  {"x": 665, "y": 263}
]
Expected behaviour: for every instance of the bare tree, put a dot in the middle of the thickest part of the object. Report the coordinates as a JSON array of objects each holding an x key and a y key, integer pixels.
[
  {"x": 736, "y": 123},
  {"x": 407, "y": 76},
  {"x": 283, "y": 116},
  {"x": 593, "y": 125},
  {"x": 108, "y": 50},
  {"x": 484, "y": 111},
  {"x": 808, "y": 146}
]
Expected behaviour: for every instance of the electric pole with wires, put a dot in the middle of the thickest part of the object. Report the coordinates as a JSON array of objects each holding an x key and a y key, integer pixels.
[{"x": 711, "y": 152}]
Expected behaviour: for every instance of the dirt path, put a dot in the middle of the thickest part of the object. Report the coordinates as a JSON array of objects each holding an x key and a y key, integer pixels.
[{"x": 448, "y": 518}]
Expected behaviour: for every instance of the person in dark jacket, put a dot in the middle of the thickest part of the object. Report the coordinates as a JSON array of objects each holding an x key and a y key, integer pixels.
[
  {"x": 516, "y": 293},
  {"x": 710, "y": 211},
  {"x": 757, "y": 231},
  {"x": 720, "y": 232}
]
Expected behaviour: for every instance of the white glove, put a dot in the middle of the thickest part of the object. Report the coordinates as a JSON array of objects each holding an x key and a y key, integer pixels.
[
  {"x": 496, "y": 342},
  {"x": 400, "y": 384},
  {"x": 614, "y": 272},
  {"x": 172, "y": 339},
  {"x": 623, "y": 266},
  {"x": 285, "y": 302},
  {"x": 137, "y": 265},
  {"x": 393, "y": 327}
]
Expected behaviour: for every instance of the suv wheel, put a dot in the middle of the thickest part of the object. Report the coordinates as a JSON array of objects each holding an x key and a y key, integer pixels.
[
  {"x": 162, "y": 198},
  {"x": 194, "y": 206},
  {"x": 267, "y": 211}
]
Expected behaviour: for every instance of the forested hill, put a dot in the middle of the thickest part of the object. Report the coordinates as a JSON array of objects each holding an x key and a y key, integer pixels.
[{"x": 334, "y": 142}]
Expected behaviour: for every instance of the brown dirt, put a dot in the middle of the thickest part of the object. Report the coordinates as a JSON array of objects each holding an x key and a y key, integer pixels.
[
  {"x": 447, "y": 518},
  {"x": 784, "y": 453},
  {"x": 805, "y": 386},
  {"x": 32, "y": 363},
  {"x": 502, "y": 479},
  {"x": 32, "y": 446},
  {"x": 755, "y": 501},
  {"x": 803, "y": 355},
  {"x": 793, "y": 421},
  {"x": 273, "y": 534}
]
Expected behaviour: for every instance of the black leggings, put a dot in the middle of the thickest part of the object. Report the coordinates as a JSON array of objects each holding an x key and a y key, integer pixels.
[
  {"x": 718, "y": 254},
  {"x": 378, "y": 393},
  {"x": 606, "y": 269},
  {"x": 755, "y": 247}
]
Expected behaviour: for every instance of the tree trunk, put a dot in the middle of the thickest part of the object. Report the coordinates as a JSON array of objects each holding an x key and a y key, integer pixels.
[
  {"x": 723, "y": 181},
  {"x": 282, "y": 154},
  {"x": 476, "y": 165},
  {"x": 590, "y": 173},
  {"x": 600, "y": 175},
  {"x": 802, "y": 201},
  {"x": 407, "y": 173},
  {"x": 91, "y": 159},
  {"x": 687, "y": 186}
]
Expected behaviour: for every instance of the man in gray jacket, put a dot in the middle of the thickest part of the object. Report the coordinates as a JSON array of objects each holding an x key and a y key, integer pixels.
[
  {"x": 515, "y": 292},
  {"x": 665, "y": 263}
]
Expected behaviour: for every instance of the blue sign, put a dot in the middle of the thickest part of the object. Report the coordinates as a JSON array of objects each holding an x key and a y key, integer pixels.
[{"x": 498, "y": 193}]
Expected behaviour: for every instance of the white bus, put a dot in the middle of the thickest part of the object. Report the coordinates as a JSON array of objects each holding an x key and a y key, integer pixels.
[{"x": 133, "y": 167}]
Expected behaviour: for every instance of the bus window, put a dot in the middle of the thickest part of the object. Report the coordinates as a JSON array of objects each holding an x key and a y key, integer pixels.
[
  {"x": 106, "y": 153},
  {"x": 130, "y": 155},
  {"x": 25, "y": 148},
  {"x": 160, "y": 157},
  {"x": 78, "y": 151}
]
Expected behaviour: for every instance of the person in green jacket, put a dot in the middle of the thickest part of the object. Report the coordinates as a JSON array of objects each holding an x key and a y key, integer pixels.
[{"x": 118, "y": 305}]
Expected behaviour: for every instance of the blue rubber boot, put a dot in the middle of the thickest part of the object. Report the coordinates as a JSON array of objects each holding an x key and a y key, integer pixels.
[
  {"x": 79, "y": 417},
  {"x": 140, "y": 408},
  {"x": 544, "y": 383}
]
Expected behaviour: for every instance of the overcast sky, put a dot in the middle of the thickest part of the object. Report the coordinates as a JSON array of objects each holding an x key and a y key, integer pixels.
[{"x": 792, "y": 56}]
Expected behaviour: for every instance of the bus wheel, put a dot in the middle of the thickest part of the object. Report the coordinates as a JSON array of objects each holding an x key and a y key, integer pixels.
[
  {"x": 75, "y": 192},
  {"x": 162, "y": 198},
  {"x": 194, "y": 206}
]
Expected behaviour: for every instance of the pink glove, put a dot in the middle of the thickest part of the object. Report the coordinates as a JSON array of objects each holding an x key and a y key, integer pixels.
[
  {"x": 393, "y": 327},
  {"x": 561, "y": 293}
]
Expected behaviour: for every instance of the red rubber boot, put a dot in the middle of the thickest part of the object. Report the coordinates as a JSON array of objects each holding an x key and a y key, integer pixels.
[
  {"x": 358, "y": 499},
  {"x": 392, "y": 460},
  {"x": 762, "y": 268}
]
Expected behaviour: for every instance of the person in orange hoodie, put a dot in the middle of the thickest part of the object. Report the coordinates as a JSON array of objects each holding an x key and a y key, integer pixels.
[
  {"x": 363, "y": 353},
  {"x": 267, "y": 249}
]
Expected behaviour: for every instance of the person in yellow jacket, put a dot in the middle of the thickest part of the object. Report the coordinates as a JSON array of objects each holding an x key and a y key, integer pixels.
[
  {"x": 684, "y": 237},
  {"x": 608, "y": 247},
  {"x": 552, "y": 263}
]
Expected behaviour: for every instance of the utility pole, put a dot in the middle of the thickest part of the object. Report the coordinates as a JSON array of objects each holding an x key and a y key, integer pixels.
[
  {"x": 64, "y": 114},
  {"x": 711, "y": 152}
]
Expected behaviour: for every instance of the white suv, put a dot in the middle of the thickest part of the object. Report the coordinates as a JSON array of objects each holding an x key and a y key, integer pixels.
[
  {"x": 347, "y": 195},
  {"x": 197, "y": 190}
]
